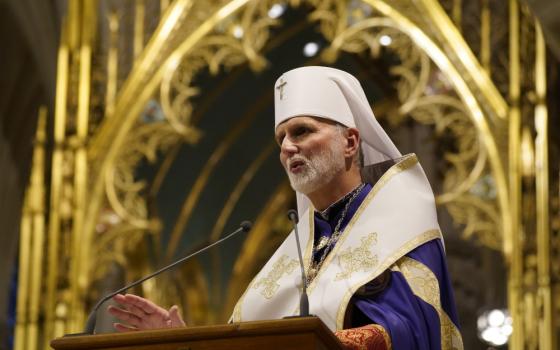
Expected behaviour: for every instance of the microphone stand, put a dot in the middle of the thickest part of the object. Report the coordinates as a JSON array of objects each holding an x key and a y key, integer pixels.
[{"x": 304, "y": 299}]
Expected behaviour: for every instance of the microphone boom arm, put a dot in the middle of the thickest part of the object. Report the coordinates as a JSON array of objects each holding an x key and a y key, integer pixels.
[{"x": 91, "y": 320}]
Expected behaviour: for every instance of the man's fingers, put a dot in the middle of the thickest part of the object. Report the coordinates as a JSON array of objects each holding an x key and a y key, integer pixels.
[
  {"x": 116, "y": 311},
  {"x": 141, "y": 313},
  {"x": 146, "y": 305},
  {"x": 119, "y": 298},
  {"x": 125, "y": 316},
  {"x": 137, "y": 311},
  {"x": 123, "y": 328},
  {"x": 175, "y": 317}
]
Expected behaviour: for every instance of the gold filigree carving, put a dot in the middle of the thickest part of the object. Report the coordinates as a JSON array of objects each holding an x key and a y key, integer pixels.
[
  {"x": 236, "y": 39},
  {"x": 356, "y": 259},
  {"x": 124, "y": 191},
  {"x": 425, "y": 95},
  {"x": 283, "y": 266}
]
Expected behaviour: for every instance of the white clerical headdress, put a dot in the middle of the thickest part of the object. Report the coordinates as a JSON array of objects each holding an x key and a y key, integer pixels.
[{"x": 333, "y": 94}]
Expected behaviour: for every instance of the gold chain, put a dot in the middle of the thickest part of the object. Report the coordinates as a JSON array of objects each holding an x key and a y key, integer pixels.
[{"x": 328, "y": 243}]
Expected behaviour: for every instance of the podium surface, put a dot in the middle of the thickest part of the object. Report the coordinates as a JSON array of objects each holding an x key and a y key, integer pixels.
[{"x": 294, "y": 333}]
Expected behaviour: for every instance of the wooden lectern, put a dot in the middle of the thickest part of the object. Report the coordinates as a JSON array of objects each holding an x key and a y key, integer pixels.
[{"x": 293, "y": 333}]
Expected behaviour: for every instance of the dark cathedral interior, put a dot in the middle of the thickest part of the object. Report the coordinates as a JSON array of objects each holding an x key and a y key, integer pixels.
[{"x": 134, "y": 132}]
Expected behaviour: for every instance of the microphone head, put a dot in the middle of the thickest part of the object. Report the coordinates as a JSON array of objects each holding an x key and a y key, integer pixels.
[
  {"x": 293, "y": 215},
  {"x": 246, "y": 225}
]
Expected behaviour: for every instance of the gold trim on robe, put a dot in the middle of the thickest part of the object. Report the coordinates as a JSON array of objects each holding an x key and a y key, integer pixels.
[{"x": 425, "y": 285}]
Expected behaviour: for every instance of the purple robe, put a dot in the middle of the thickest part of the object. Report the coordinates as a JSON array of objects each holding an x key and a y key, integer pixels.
[{"x": 410, "y": 322}]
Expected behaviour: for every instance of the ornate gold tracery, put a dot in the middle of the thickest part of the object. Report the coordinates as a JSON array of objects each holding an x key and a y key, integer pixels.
[
  {"x": 220, "y": 35},
  {"x": 447, "y": 113},
  {"x": 223, "y": 48}
]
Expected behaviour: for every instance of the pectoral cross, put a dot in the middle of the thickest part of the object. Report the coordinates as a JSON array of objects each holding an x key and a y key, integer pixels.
[{"x": 281, "y": 87}]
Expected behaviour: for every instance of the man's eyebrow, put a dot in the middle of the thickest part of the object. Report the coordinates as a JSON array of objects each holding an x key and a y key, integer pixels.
[{"x": 300, "y": 124}]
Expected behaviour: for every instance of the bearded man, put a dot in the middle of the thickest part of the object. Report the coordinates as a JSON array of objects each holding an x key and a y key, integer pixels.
[{"x": 376, "y": 269}]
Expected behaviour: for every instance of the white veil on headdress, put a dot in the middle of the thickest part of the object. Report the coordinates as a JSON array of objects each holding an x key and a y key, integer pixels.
[{"x": 333, "y": 94}]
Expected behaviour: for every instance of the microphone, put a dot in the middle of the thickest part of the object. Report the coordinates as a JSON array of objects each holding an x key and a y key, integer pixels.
[
  {"x": 304, "y": 299},
  {"x": 245, "y": 226}
]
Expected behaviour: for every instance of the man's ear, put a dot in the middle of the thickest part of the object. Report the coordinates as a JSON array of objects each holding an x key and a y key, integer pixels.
[{"x": 352, "y": 142}]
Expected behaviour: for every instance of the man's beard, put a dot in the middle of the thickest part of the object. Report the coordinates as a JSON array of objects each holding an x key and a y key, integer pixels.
[{"x": 317, "y": 170}]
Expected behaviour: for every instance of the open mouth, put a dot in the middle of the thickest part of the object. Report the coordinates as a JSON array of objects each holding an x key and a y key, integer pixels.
[{"x": 296, "y": 166}]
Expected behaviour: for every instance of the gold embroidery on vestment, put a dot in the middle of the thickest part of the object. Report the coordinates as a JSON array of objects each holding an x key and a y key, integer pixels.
[
  {"x": 270, "y": 283},
  {"x": 310, "y": 241},
  {"x": 385, "y": 264},
  {"x": 357, "y": 259},
  {"x": 425, "y": 285}
]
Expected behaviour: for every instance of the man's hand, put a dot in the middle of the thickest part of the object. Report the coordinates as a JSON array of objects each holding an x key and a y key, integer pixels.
[{"x": 139, "y": 313}]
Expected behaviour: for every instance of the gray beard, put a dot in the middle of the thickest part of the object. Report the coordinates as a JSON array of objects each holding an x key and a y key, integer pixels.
[{"x": 319, "y": 169}]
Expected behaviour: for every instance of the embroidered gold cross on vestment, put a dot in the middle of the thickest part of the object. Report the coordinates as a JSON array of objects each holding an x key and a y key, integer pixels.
[
  {"x": 357, "y": 259},
  {"x": 280, "y": 268}
]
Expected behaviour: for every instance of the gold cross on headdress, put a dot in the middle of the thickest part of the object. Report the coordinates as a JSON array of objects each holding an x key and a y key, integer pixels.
[{"x": 281, "y": 87}]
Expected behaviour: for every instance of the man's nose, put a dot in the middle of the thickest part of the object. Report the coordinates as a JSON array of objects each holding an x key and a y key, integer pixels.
[{"x": 288, "y": 147}]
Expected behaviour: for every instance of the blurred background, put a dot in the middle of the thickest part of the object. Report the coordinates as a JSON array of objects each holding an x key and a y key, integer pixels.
[{"x": 133, "y": 132}]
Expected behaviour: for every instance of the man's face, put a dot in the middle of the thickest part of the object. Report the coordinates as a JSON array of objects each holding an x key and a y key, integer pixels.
[{"x": 311, "y": 151}]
